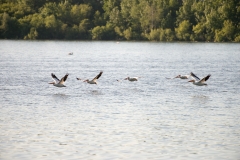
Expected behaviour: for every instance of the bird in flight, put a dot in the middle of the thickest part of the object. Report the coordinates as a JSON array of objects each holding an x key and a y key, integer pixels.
[
  {"x": 197, "y": 81},
  {"x": 94, "y": 80},
  {"x": 132, "y": 78},
  {"x": 58, "y": 83}
]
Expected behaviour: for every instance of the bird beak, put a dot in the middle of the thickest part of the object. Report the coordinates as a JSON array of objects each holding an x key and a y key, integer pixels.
[
  {"x": 51, "y": 83},
  {"x": 190, "y": 81},
  {"x": 125, "y": 78}
]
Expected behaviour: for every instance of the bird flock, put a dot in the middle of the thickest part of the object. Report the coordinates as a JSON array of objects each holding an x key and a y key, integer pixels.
[{"x": 194, "y": 79}]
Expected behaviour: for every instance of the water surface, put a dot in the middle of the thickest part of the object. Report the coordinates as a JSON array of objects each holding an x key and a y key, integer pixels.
[{"x": 154, "y": 118}]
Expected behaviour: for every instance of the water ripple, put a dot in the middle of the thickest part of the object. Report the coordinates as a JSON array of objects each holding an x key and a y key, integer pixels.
[{"x": 153, "y": 118}]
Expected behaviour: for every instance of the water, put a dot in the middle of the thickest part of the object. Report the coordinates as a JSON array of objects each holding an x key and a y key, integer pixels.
[{"x": 154, "y": 118}]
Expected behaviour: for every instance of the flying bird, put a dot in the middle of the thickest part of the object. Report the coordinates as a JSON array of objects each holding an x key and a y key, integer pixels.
[
  {"x": 58, "y": 83},
  {"x": 197, "y": 81},
  {"x": 181, "y": 77},
  {"x": 94, "y": 80},
  {"x": 132, "y": 78}
]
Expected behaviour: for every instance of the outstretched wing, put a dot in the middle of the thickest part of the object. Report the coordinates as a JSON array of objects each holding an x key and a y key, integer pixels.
[
  {"x": 98, "y": 76},
  {"x": 205, "y": 78},
  {"x": 194, "y": 76},
  {"x": 64, "y": 79},
  {"x": 55, "y": 78}
]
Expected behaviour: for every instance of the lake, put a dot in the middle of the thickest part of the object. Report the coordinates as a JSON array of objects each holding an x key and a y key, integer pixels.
[{"x": 153, "y": 118}]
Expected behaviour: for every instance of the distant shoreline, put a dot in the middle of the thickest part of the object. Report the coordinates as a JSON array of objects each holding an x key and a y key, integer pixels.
[{"x": 121, "y": 20}]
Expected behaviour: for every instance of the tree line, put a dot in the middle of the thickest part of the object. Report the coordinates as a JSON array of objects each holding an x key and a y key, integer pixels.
[{"x": 154, "y": 20}]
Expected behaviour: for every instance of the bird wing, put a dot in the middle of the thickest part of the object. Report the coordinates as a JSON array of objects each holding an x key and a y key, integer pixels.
[
  {"x": 63, "y": 79},
  {"x": 54, "y": 77},
  {"x": 99, "y": 75},
  {"x": 205, "y": 78},
  {"x": 194, "y": 76}
]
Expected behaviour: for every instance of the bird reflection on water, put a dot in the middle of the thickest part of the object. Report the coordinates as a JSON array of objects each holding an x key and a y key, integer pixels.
[
  {"x": 60, "y": 96},
  {"x": 200, "y": 99}
]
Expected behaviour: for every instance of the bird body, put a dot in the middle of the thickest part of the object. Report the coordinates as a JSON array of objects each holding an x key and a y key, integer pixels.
[
  {"x": 58, "y": 83},
  {"x": 132, "y": 78},
  {"x": 196, "y": 81},
  {"x": 183, "y": 76},
  {"x": 94, "y": 80}
]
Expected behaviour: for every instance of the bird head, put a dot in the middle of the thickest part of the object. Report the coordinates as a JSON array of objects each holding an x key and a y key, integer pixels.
[{"x": 178, "y": 76}]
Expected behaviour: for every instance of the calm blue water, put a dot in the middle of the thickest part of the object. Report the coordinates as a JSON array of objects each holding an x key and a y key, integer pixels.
[{"x": 154, "y": 118}]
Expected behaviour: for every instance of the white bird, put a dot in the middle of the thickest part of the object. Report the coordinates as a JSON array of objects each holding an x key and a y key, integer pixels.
[
  {"x": 132, "y": 78},
  {"x": 183, "y": 76},
  {"x": 94, "y": 80},
  {"x": 197, "y": 81},
  {"x": 57, "y": 82}
]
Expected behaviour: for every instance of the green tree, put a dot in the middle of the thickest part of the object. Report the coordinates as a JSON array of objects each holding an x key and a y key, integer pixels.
[
  {"x": 8, "y": 26},
  {"x": 33, "y": 34},
  {"x": 84, "y": 27},
  {"x": 108, "y": 6},
  {"x": 155, "y": 20},
  {"x": 167, "y": 35},
  {"x": 128, "y": 33},
  {"x": 226, "y": 33},
  {"x": 80, "y": 12},
  {"x": 185, "y": 12},
  {"x": 183, "y": 31},
  {"x": 97, "y": 33},
  {"x": 98, "y": 19}
]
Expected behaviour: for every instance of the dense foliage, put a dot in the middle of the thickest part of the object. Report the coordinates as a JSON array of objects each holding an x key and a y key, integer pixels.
[{"x": 155, "y": 20}]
